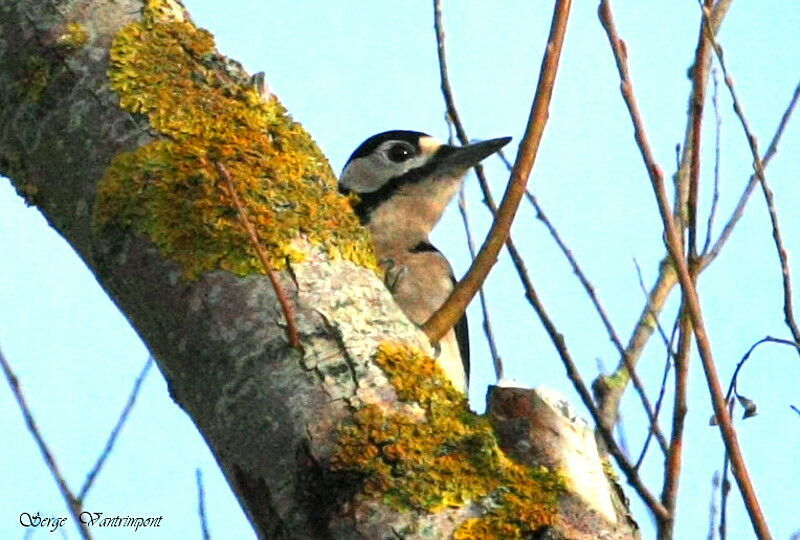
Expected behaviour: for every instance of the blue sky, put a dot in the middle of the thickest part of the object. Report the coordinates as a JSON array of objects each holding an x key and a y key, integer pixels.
[{"x": 347, "y": 70}]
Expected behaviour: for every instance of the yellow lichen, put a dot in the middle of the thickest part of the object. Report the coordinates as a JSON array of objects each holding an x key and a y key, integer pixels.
[
  {"x": 74, "y": 37},
  {"x": 446, "y": 460},
  {"x": 205, "y": 112}
]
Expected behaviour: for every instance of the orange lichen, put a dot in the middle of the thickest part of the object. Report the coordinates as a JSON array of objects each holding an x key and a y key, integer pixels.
[
  {"x": 448, "y": 459},
  {"x": 203, "y": 110}
]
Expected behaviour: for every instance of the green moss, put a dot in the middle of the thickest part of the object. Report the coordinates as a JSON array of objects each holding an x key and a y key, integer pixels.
[
  {"x": 166, "y": 69},
  {"x": 35, "y": 77},
  {"x": 446, "y": 460}
]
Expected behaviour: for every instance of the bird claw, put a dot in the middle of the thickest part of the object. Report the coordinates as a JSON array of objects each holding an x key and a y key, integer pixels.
[{"x": 392, "y": 274}]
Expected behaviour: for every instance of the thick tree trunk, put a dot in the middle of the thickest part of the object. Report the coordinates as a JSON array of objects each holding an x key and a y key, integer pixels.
[{"x": 114, "y": 118}]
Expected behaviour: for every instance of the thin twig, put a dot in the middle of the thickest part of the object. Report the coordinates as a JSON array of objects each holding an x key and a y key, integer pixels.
[
  {"x": 283, "y": 299},
  {"x": 73, "y": 503},
  {"x": 751, "y": 184},
  {"x": 444, "y": 77},
  {"x": 201, "y": 504},
  {"x": 590, "y": 291},
  {"x": 667, "y": 364},
  {"x": 712, "y": 506},
  {"x": 672, "y": 468},
  {"x": 731, "y": 403},
  {"x": 743, "y": 361},
  {"x": 576, "y": 269},
  {"x": 672, "y": 472},
  {"x": 725, "y": 488},
  {"x": 667, "y": 278},
  {"x": 487, "y": 323},
  {"x": 556, "y": 338},
  {"x": 699, "y": 72},
  {"x": 691, "y": 299},
  {"x": 644, "y": 328},
  {"x": 697, "y": 100},
  {"x": 454, "y": 122},
  {"x": 668, "y": 341},
  {"x": 662, "y": 391},
  {"x": 574, "y": 376},
  {"x": 448, "y": 314},
  {"x": 783, "y": 256},
  {"x": 795, "y": 409},
  {"x": 717, "y": 157},
  {"x": 112, "y": 438}
]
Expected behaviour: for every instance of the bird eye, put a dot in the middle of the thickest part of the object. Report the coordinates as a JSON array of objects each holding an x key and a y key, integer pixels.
[{"x": 400, "y": 152}]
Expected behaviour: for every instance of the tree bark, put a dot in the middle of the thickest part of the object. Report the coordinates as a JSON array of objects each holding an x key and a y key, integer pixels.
[{"x": 114, "y": 116}]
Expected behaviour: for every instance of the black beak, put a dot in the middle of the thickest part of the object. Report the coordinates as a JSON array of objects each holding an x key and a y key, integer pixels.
[{"x": 461, "y": 158}]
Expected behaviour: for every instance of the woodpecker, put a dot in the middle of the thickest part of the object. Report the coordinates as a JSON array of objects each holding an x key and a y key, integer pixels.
[{"x": 403, "y": 181}]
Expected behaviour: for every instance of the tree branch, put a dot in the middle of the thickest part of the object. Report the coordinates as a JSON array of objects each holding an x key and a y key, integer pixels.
[
  {"x": 783, "y": 256},
  {"x": 454, "y": 121},
  {"x": 73, "y": 503},
  {"x": 449, "y": 313},
  {"x": 112, "y": 438},
  {"x": 738, "y": 212},
  {"x": 692, "y": 302}
]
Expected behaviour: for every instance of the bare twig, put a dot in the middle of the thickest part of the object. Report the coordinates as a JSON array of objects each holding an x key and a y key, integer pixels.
[
  {"x": 112, "y": 438},
  {"x": 532, "y": 296},
  {"x": 487, "y": 323},
  {"x": 712, "y": 506},
  {"x": 286, "y": 306},
  {"x": 751, "y": 184},
  {"x": 783, "y": 256},
  {"x": 669, "y": 492},
  {"x": 73, "y": 503},
  {"x": 201, "y": 504},
  {"x": 447, "y": 91},
  {"x": 662, "y": 391},
  {"x": 725, "y": 490},
  {"x": 672, "y": 469},
  {"x": 579, "y": 273},
  {"x": 590, "y": 291},
  {"x": 731, "y": 404},
  {"x": 691, "y": 299},
  {"x": 447, "y": 315},
  {"x": 697, "y": 100},
  {"x": 743, "y": 361},
  {"x": 699, "y": 73},
  {"x": 717, "y": 156},
  {"x": 666, "y": 521},
  {"x": 667, "y": 365},
  {"x": 454, "y": 122},
  {"x": 575, "y": 378},
  {"x": 667, "y": 278}
]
